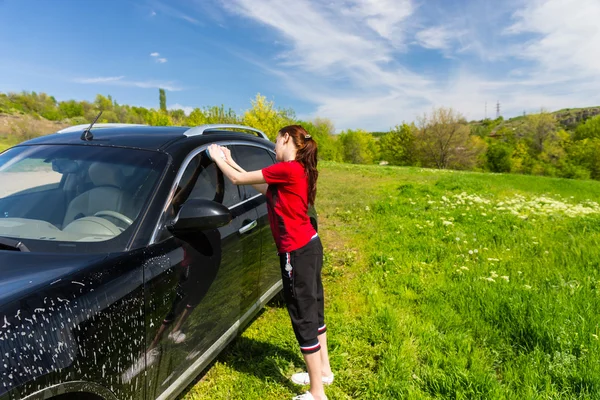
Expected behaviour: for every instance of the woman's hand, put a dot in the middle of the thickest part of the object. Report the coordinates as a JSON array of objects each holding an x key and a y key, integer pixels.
[
  {"x": 227, "y": 153},
  {"x": 215, "y": 152}
]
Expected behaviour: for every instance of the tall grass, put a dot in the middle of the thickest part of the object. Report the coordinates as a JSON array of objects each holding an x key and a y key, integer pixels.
[{"x": 441, "y": 285}]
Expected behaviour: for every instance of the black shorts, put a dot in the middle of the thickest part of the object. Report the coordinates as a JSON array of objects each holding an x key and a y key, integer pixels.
[{"x": 303, "y": 293}]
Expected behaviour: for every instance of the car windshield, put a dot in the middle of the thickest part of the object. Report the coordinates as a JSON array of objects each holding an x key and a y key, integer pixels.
[{"x": 77, "y": 197}]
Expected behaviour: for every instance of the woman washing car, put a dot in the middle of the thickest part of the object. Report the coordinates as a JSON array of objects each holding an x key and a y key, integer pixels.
[{"x": 290, "y": 186}]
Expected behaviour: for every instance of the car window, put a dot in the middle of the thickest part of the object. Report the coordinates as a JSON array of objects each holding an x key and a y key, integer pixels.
[
  {"x": 203, "y": 180},
  {"x": 86, "y": 198},
  {"x": 251, "y": 158}
]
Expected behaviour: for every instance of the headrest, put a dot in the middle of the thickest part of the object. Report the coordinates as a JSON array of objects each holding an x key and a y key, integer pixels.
[{"x": 102, "y": 174}]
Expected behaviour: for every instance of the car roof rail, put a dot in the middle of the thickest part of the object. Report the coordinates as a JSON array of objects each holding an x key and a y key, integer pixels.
[
  {"x": 202, "y": 129},
  {"x": 77, "y": 128}
]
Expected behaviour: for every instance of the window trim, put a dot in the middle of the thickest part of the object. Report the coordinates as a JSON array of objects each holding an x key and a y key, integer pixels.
[{"x": 179, "y": 176}]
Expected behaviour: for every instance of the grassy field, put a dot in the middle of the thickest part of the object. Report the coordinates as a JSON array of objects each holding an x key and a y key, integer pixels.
[
  {"x": 441, "y": 284},
  {"x": 5, "y": 144}
]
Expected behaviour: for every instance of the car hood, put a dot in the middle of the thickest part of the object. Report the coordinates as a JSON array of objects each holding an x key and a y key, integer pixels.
[{"x": 22, "y": 273}]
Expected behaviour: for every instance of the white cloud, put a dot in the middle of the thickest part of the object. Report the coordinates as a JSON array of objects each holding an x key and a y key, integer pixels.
[
  {"x": 186, "y": 109},
  {"x": 435, "y": 37},
  {"x": 174, "y": 12},
  {"x": 352, "y": 58},
  {"x": 568, "y": 35},
  {"x": 100, "y": 79},
  {"x": 120, "y": 81},
  {"x": 160, "y": 60}
]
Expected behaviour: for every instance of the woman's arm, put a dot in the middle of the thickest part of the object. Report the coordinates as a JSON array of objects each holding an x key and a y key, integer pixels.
[
  {"x": 260, "y": 187},
  {"x": 236, "y": 174}
]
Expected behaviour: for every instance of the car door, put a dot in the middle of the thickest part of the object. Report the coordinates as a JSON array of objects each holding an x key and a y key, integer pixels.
[
  {"x": 251, "y": 158},
  {"x": 207, "y": 284}
]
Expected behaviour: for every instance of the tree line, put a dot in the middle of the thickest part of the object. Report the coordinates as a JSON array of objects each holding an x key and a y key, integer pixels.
[{"x": 539, "y": 144}]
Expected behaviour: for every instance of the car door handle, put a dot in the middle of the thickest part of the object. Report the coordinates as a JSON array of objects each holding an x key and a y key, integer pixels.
[{"x": 249, "y": 227}]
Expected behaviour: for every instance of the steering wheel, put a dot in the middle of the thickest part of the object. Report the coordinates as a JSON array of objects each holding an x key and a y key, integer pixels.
[{"x": 114, "y": 214}]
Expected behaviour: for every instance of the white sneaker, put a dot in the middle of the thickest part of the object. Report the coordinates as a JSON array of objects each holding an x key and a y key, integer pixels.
[
  {"x": 302, "y": 378},
  {"x": 307, "y": 396},
  {"x": 177, "y": 336}
]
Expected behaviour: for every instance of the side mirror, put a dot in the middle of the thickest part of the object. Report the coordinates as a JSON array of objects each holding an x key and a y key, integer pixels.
[{"x": 199, "y": 214}]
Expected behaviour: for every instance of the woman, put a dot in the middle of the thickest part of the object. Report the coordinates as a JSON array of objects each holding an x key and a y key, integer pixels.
[{"x": 290, "y": 186}]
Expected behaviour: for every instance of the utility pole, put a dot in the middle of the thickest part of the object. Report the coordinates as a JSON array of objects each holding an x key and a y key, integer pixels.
[
  {"x": 498, "y": 109},
  {"x": 485, "y": 114}
]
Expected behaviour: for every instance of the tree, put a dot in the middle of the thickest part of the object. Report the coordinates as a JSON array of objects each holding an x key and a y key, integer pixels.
[
  {"x": 539, "y": 129},
  {"x": 443, "y": 140},
  {"x": 163, "y": 100},
  {"x": 498, "y": 157},
  {"x": 589, "y": 129},
  {"x": 586, "y": 153},
  {"x": 264, "y": 116},
  {"x": 219, "y": 115},
  {"x": 398, "y": 145},
  {"x": 71, "y": 108},
  {"x": 103, "y": 103},
  {"x": 158, "y": 118},
  {"x": 321, "y": 129},
  {"x": 358, "y": 147},
  {"x": 178, "y": 116}
]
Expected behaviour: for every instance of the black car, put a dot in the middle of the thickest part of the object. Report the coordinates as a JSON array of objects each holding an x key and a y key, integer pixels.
[{"x": 127, "y": 259}]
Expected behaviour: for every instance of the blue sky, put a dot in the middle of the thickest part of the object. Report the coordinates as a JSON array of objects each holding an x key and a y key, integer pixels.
[{"x": 367, "y": 64}]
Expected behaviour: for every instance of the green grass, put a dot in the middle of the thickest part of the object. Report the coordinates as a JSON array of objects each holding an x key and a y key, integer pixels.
[
  {"x": 5, "y": 143},
  {"x": 445, "y": 285}
]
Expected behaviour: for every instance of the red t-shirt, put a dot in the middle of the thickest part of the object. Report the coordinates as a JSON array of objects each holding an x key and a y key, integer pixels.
[{"x": 287, "y": 202}]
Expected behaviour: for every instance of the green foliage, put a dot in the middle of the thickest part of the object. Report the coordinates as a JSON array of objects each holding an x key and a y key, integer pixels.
[
  {"x": 444, "y": 140},
  {"x": 158, "y": 118},
  {"x": 398, "y": 146},
  {"x": 322, "y": 131},
  {"x": 585, "y": 154},
  {"x": 539, "y": 130},
  {"x": 358, "y": 147},
  {"x": 531, "y": 144},
  {"x": 71, "y": 108},
  {"x": 264, "y": 116},
  {"x": 498, "y": 157},
  {"x": 103, "y": 103},
  {"x": 589, "y": 129},
  {"x": 162, "y": 100}
]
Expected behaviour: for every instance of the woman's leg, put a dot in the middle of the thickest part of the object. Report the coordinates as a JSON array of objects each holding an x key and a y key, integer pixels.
[
  {"x": 325, "y": 367},
  {"x": 322, "y": 331},
  {"x": 313, "y": 366}
]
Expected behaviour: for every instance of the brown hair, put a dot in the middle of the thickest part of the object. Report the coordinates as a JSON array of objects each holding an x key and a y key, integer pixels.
[{"x": 305, "y": 155}]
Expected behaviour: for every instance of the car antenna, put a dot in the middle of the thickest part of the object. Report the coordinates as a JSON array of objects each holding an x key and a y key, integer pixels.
[{"x": 87, "y": 134}]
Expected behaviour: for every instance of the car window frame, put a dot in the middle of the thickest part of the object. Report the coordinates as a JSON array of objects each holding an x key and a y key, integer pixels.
[
  {"x": 269, "y": 155},
  {"x": 155, "y": 238}
]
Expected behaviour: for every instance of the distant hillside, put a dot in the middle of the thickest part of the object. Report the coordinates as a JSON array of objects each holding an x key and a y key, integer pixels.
[{"x": 568, "y": 118}]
